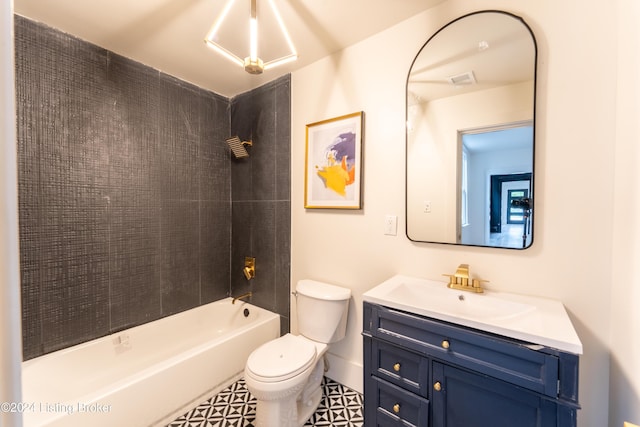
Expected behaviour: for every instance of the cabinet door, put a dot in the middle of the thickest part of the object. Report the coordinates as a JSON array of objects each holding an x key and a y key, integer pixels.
[{"x": 464, "y": 399}]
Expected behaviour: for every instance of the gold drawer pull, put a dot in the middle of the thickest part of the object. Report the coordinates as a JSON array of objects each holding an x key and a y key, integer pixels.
[
  {"x": 396, "y": 367},
  {"x": 437, "y": 386},
  {"x": 445, "y": 344},
  {"x": 396, "y": 408}
]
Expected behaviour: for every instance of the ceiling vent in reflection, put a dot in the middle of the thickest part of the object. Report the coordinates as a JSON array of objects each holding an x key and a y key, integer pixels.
[{"x": 463, "y": 79}]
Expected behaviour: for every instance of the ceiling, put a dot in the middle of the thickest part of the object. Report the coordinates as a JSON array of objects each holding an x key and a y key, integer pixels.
[
  {"x": 515, "y": 138},
  {"x": 169, "y": 34},
  {"x": 495, "y": 48}
]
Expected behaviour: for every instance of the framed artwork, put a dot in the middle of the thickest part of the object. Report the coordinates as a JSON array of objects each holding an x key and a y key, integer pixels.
[{"x": 333, "y": 163}]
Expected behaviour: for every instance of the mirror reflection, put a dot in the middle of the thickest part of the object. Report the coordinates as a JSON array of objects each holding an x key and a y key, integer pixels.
[{"x": 470, "y": 134}]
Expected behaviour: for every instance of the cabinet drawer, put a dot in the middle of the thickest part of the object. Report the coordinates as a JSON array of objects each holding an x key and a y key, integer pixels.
[
  {"x": 491, "y": 355},
  {"x": 395, "y": 406},
  {"x": 404, "y": 368}
]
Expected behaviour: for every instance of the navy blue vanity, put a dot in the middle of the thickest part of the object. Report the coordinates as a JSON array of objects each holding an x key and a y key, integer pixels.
[{"x": 424, "y": 371}]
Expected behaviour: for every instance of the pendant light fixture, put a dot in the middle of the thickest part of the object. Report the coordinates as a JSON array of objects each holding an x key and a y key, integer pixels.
[{"x": 252, "y": 64}]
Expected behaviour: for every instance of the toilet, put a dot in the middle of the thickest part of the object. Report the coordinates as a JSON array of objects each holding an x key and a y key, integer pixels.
[{"x": 285, "y": 374}]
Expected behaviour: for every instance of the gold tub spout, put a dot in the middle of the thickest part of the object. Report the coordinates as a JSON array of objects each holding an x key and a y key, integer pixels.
[{"x": 248, "y": 294}]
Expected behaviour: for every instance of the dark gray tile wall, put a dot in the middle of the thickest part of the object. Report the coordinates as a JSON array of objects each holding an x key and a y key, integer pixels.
[
  {"x": 127, "y": 208},
  {"x": 261, "y": 195}
]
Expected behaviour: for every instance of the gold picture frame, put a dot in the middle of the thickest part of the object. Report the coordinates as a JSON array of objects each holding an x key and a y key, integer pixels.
[{"x": 333, "y": 163}]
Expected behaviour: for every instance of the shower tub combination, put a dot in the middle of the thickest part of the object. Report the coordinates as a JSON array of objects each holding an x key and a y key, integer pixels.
[{"x": 140, "y": 376}]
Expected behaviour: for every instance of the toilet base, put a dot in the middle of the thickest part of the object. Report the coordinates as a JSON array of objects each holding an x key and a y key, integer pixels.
[
  {"x": 311, "y": 395},
  {"x": 288, "y": 413},
  {"x": 295, "y": 410},
  {"x": 306, "y": 410},
  {"x": 271, "y": 413}
]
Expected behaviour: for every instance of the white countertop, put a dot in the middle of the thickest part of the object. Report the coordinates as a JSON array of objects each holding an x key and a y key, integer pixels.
[{"x": 532, "y": 319}]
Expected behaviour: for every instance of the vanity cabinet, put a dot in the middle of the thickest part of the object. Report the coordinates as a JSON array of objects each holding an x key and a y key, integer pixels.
[{"x": 420, "y": 371}]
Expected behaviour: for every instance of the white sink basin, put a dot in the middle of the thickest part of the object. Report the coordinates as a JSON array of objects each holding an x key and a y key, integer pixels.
[
  {"x": 534, "y": 320},
  {"x": 458, "y": 303}
]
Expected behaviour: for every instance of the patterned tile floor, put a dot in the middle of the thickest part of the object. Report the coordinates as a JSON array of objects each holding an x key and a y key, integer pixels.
[{"x": 235, "y": 407}]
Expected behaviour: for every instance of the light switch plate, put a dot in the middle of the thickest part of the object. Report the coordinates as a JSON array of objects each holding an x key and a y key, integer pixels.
[{"x": 391, "y": 225}]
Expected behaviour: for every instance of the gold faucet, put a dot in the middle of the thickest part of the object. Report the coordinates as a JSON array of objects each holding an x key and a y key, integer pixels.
[
  {"x": 248, "y": 294},
  {"x": 462, "y": 280}
]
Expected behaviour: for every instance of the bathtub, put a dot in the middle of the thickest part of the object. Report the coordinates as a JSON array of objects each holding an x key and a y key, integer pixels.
[{"x": 141, "y": 375}]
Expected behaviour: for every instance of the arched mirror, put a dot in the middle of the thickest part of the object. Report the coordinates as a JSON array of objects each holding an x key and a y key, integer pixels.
[{"x": 470, "y": 134}]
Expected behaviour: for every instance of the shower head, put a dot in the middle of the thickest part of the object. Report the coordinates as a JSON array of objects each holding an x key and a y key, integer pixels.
[{"x": 237, "y": 147}]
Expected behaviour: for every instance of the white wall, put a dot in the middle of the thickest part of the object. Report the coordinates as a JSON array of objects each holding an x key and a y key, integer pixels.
[
  {"x": 571, "y": 257},
  {"x": 10, "y": 331},
  {"x": 624, "y": 399}
]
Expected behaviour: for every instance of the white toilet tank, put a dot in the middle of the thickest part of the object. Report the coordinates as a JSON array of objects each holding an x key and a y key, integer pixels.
[{"x": 322, "y": 310}]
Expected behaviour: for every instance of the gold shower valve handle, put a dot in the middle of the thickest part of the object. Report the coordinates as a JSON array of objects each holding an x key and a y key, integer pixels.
[{"x": 249, "y": 269}]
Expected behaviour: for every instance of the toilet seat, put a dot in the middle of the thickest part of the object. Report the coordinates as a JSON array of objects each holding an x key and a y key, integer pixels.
[{"x": 282, "y": 358}]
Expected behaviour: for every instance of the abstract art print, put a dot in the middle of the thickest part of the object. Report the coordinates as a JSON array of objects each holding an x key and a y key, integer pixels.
[{"x": 333, "y": 163}]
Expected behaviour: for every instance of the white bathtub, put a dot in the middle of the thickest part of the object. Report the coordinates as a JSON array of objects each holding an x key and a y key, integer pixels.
[{"x": 139, "y": 376}]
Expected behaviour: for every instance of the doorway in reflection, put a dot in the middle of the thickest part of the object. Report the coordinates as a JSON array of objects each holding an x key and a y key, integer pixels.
[
  {"x": 509, "y": 210},
  {"x": 495, "y": 189}
]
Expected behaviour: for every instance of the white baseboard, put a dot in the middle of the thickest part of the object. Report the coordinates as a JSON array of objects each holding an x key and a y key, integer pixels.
[{"x": 346, "y": 372}]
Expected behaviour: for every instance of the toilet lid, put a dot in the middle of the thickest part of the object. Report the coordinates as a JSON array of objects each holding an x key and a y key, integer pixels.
[{"x": 281, "y": 358}]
